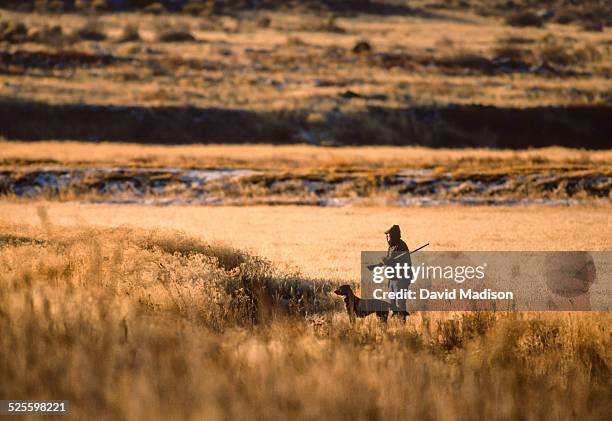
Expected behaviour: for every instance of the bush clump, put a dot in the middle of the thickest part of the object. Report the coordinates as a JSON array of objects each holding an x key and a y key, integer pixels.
[
  {"x": 197, "y": 8},
  {"x": 50, "y": 35},
  {"x": 524, "y": 19},
  {"x": 556, "y": 52},
  {"x": 175, "y": 35},
  {"x": 93, "y": 30},
  {"x": 155, "y": 9},
  {"x": 129, "y": 33},
  {"x": 362, "y": 47},
  {"x": 100, "y": 5},
  {"x": 13, "y": 32}
]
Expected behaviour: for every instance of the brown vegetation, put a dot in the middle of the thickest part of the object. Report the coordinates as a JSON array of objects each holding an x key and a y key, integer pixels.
[
  {"x": 287, "y": 157},
  {"x": 306, "y": 175},
  {"x": 226, "y": 312},
  {"x": 285, "y": 77},
  {"x": 169, "y": 34},
  {"x": 524, "y": 18},
  {"x": 138, "y": 324},
  {"x": 93, "y": 30},
  {"x": 129, "y": 33},
  {"x": 324, "y": 242},
  {"x": 468, "y": 183}
]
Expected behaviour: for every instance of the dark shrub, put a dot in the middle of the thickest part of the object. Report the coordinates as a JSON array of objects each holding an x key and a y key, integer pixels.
[
  {"x": 129, "y": 33},
  {"x": 197, "y": 8},
  {"x": 155, "y": 9},
  {"x": 93, "y": 30},
  {"x": 51, "y": 35},
  {"x": 13, "y": 32},
  {"x": 524, "y": 19},
  {"x": 175, "y": 35},
  {"x": 362, "y": 47}
]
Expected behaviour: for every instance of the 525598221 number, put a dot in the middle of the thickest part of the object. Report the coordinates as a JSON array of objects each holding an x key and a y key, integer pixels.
[{"x": 42, "y": 407}]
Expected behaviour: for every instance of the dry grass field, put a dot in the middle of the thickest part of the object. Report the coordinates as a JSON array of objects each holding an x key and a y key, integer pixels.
[
  {"x": 184, "y": 183},
  {"x": 110, "y": 308},
  {"x": 300, "y": 60},
  {"x": 283, "y": 157},
  {"x": 219, "y": 311},
  {"x": 324, "y": 243}
]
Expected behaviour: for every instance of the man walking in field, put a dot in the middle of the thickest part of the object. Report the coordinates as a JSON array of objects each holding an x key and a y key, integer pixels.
[{"x": 397, "y": 253}]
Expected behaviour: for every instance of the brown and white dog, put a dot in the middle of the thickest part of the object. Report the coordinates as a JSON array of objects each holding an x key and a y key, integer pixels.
[{"x": 356, "y": 307}]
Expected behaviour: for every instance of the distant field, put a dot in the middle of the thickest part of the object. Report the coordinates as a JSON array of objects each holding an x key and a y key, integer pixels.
[
  {"x": 432, "y": 76},
  {"x": 305, "y": 61},
  {"x": 283, "y": 157}
]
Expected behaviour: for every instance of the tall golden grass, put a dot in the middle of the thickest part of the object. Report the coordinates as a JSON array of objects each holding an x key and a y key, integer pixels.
[{"x": 141, "y": 324}]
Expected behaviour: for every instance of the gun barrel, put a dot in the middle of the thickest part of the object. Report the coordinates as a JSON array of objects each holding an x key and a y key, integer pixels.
[{"x": 422, "y": 247}]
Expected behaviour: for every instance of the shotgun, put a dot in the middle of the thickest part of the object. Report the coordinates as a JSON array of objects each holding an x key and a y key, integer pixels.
[
  {"x": 371, "y": 267},
  {"x": 422, "y": 247}
]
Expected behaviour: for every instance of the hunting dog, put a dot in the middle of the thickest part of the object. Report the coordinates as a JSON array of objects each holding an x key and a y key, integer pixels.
[{"x": 356, "y": 307}]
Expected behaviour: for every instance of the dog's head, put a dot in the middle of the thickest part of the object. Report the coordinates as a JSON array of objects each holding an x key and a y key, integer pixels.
[{"x": 344, "y": 290}]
